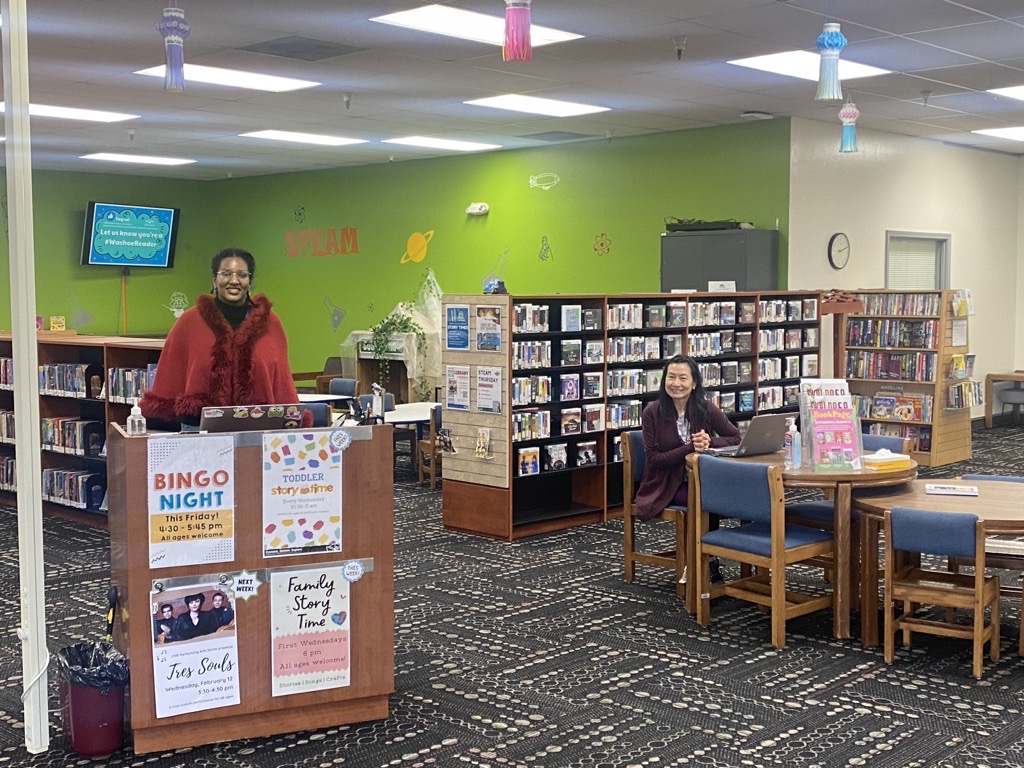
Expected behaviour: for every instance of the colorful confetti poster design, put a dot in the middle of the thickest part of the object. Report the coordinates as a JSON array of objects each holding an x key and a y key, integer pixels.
[
  {"x": 302, "y": 492},
  {"x": 310, "y": 624}
]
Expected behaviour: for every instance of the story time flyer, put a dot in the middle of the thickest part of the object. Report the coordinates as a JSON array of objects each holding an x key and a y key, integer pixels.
[
  {"x": 302, "y": 492},
  {"x": 191, "y": 493}
]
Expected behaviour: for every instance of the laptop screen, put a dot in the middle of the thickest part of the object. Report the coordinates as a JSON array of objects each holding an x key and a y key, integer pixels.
[{"x": 251, "y": 418}]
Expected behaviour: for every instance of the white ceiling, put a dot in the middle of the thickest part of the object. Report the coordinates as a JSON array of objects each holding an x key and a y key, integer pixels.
[{"x": 82, "y": 53}]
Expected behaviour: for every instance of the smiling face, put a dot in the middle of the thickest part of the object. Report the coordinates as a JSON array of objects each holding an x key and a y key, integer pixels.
[
  {"x": 193, "y": 605},
  {"x": 166, "y": 612},
  {"x": 232, "y": 289},
  {"x": 218, "y": 601},
  {"x": 679, "y": 381}
]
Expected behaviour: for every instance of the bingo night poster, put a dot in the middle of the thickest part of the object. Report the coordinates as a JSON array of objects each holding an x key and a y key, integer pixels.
[{"x": 302, "y": 492}]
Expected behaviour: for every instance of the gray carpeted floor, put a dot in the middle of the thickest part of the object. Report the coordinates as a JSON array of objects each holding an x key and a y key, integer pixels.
[{"x": 537, "y": 653}]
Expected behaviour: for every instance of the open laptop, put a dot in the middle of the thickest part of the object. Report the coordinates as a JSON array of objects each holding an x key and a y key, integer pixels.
[
  {"x": 765, "y": 434},
  {"x": 251, "y": 418}
]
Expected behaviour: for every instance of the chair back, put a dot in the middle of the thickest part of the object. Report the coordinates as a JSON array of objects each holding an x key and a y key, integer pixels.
[
  {"x": 321, "y": 413},
  {"x": 332, "y": 366},
  {"x": 366, "y": 401},
  {"x": 633, "y": 456},
  {"x": 890, "y": 443},
  {"x": 951, "y": 534},
  {"x": 731, "y": 488},
  {"x": 343, "y": 387},
  {"x": 435, "y": 423},
  {"x": 998, "y": 478}
]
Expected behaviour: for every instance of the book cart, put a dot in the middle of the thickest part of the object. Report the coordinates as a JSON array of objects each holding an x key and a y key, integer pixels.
[
  {"x": 576, "y": 371},
  {"x": 366, "y": 538}
]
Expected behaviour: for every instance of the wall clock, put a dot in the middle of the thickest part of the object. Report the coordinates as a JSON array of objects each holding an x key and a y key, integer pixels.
[{"x": 838, "y": 250}]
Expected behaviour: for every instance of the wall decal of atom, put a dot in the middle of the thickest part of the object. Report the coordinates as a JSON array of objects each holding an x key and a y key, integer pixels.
[
  {"x": 416, "y": 247},
  {"x": 602, "y": 245}
]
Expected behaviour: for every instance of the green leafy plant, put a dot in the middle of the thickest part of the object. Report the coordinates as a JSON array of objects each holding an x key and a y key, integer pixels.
[{"x": 398, "y": 322}]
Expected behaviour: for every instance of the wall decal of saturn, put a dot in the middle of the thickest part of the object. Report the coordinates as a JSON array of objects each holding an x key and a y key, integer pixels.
[{"x": 416, "y": 247}]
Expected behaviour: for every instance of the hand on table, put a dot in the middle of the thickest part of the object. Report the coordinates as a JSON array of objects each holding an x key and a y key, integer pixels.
[{"x": 701, "y": 441}]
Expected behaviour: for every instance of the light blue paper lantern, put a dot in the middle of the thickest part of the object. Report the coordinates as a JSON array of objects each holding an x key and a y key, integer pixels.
[{"x": 830, "y": 44}]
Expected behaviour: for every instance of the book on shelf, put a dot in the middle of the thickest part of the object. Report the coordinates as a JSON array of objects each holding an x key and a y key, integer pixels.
[
  {"x": 652, "y": 348},
  {"x": 444, "y": 440},
  {"x": 727, "y": 402},
  {"x": 586, "y": 453},
  {"x": 657, "y": 316},
  {"x": 913, "y": 407},
  {"x": 810, "y": 337},
  {"x": 593, "y": 384},
  {"x": 794, "y": 309},
  {"x": 727, "y": 313},
  {"x": 883, "y": 406},
  {"x": 676, "y": 313},
  {"x": 744, "y": 341},
  {"x": 792, "y": 366},
  {"x": 571, "y": 421},
  {"x": 593, "y": 352},
  {"x": 652, "y": 380},
  {"x": 616, "y": 448},
  {"x": 591, "y": 319},
  {"x": 961, "y": 366},
  {"x": 572, "y": 318},
  {"x": 572, "y": 352},
  {"x": 748, "y": 311},
  {"x": 730, "y": 372},
  {"x": 809, "y": 365},
  {"x": 569, "y": 387},
  {"x": 727, "y": 340},
  {"x": 791, "y": 394},
  {"x": 556, "y": 456},
  {"x": 810, "y": 309},
  {"x": 528, "y": 461},
  {"x": 672, "y": 344},
  {"x": 744, "y": 372},
  {"x": 745, "y": 401},
  {"x": 593, "y": 417}
]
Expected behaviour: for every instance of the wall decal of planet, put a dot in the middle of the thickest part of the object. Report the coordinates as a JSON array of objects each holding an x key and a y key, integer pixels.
[{"x": 416, "y": 246}]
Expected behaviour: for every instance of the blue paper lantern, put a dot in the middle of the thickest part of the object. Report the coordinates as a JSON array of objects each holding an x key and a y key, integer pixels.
[{"x": 830, "y": 44}]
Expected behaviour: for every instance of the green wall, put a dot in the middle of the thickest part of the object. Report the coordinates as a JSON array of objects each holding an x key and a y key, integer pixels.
[{"x": 602, "y": 222}]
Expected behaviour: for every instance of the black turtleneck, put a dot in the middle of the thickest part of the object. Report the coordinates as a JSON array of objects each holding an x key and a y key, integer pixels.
[{"x": 233, "y": 313}]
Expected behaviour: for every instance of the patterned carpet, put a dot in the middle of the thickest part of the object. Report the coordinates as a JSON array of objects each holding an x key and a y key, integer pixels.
[{"x": 537, "y": 653}]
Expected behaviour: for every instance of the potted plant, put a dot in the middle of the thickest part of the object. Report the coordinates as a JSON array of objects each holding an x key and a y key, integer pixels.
[{"x": 397, "y": 323}]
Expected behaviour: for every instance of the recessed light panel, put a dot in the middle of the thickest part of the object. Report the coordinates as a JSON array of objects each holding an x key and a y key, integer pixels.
[
  {"x": 1014, "y": 92},
  {"x": 1016, "y": 134},
  {"x": 113, "y": 157},
  {"x": 468, "y": 25},
  {"x": 303, "y": 138},
  {"x": 430, "y": 143},
  {"x": 537, "y": 106},
  {"x": 70, "y": 113},
  {"x": 197, "y": 73},
  {"x": 805, "y": 65}
]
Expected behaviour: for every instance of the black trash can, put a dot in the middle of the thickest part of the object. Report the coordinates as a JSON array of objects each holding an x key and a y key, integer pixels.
[{"x": 93, "y": 677}]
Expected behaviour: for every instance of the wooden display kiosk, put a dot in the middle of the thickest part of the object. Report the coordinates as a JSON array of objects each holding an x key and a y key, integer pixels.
[{"x": 366, "y": 537}]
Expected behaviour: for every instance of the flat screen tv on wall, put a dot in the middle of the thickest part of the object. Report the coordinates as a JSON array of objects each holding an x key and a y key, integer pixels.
[{"x": 129, "y": 235}]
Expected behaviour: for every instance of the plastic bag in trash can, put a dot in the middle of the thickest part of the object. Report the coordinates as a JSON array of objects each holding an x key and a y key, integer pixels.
[{"x": 93, "y": 665}]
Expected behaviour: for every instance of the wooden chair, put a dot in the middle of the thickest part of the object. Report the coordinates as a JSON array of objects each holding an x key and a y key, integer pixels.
[
  {"x": 949, "y": 534},
  {"x": 1007, "y": 553},
  {"x": 428, "y": 456},
  {"x": 633, "y": 460},
  {"x": 332, "y": 369},
  {"x": 754, "y": 493}
]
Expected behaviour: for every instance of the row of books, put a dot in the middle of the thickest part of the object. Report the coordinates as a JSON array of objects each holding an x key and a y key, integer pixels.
[
  {"x": 74, "y": 488},
  {"x": 788, "y": 310},
  {"x": 892, "y": 332},
  {"x": 67, "y": 434},
  {"x": 961, "y": 366},
  {"x": 530, "y": 318},
  {"x": 964, "y": 394},
  {"x": 700, "y": 313},
  {"x": 576, "y": 317},
  {"x": 901, "y": 303},
  {"x": 920, "y": 435},
  {"x": 79, "y": 380},
  {"x": 536, "y": 424},
  {"x": 6, "y": 373},
  {"x": 898, "y": 406},
  {"x": 6, "y": 426},
  {"x": 533, "y": 390},
  {"x": 8, "y": 474},
  {"x": 624, "y": 414},
  {"x": 556, "y": 457},
  {"x": 125, "y": 385},
  {"x": 909, "y": 366},
  {"x": 726, "y": 373}
]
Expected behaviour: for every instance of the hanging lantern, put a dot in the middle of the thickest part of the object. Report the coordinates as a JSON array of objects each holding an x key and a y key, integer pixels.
[
  {"x": 849, "y": 114},
  {"x": 829, "y": 44},
  {"x": 174, "y": 29},
  {"x": 517, "y": 31}
]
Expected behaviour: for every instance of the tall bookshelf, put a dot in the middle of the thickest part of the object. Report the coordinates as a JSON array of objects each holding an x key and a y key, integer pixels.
[
  {"x": 576, "y": 373},
  {"x": 900, "y": 357},
  {"x": 85, "y": 382}
]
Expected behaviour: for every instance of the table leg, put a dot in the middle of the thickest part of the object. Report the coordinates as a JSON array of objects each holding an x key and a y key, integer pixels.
[
  {"x": 841, "y": 583},
  {"x": 692, "y": 525},
  {"x": 869, "y": 581},
  {"x": 988, "y": 401}
]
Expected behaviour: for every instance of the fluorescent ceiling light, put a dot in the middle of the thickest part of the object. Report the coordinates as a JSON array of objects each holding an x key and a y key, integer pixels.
[
  {"x": 197, "y": 73},
  {"x": 70, "y": 113},
  {"x": 805, "y": 65},
  {"x": 468, "y": 25},
  {"x": 425, "y": 141},
  {"x": 1017, "y": 134},
  {"x": 1014, "y": 92},
  {"x": 113, "y": 157},
  {"x": 537, "y": 106},
  {"x": 303, "y": 138}
]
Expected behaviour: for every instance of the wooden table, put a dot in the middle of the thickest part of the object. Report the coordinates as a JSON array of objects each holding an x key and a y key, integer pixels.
[
  {"x": 840, "y": 484},
  {"x": 1016, "y": 377},
  {"x": 998, "y": 505}
]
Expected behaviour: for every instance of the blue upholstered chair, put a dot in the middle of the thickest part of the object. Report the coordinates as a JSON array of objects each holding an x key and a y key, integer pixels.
[
  {"x": 764, "y": 540},
  {"x": 633, "y": 461},
  {"x": 343, "y": 387},
  {"x": 948, "y": 534},
  {"x": 321, "y": 413}
]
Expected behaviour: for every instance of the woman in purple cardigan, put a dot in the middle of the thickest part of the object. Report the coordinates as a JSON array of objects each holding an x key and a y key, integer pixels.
[{"x": 680, "y": 422}]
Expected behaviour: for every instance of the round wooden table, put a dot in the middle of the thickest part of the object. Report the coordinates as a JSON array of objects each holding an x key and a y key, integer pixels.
[{"x": 999, "y": 506}]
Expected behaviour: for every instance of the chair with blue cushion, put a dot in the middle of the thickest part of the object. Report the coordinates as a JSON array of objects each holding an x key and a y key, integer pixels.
[
  {"x": 947, "y": 534},
  {"x": 321, "y": 413},
  {"x": 633, "y": 461},
  {"x": 400, "y": 434},
  {"x": 753, "y": 493}
]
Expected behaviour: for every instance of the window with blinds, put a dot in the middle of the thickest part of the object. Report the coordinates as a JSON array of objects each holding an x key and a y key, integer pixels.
[{"x": 916, "y": 261}]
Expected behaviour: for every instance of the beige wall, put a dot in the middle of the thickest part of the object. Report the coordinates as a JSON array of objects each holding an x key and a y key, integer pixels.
[{"x": 904, "y": 183}]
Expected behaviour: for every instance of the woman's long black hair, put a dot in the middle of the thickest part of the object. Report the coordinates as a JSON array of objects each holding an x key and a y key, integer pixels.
[{"x": 696, "y": 405}]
